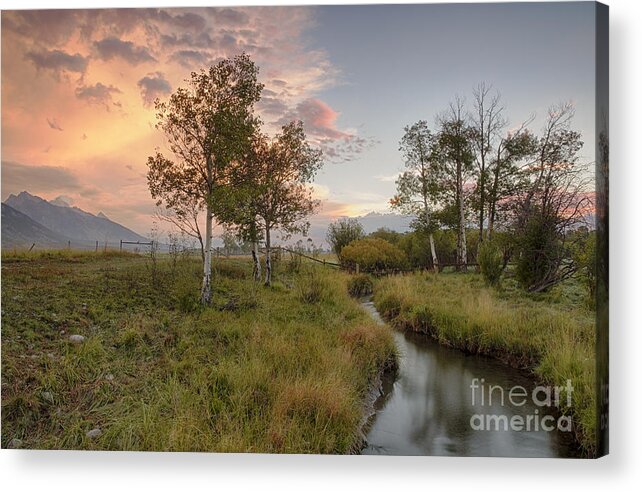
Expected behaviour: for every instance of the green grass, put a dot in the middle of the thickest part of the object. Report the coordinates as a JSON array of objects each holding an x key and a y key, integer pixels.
[
  {"x": 282, "y": 369},
  {"x": 552, "y": 334}
]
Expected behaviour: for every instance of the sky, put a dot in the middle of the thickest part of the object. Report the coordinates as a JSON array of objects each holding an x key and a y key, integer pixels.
[{"x": 78, "y": 87}]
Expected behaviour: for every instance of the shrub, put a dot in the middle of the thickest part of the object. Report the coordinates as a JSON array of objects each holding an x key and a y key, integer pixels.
[
  {"x": 491, "y": 261},
  {"x": 540, "y": 254},
  {"x": 373, "y": 255},
  {"x": 360, "y": 285},
  {"x": 584, "y": 257},
  {"x": 343, "y": 232}
]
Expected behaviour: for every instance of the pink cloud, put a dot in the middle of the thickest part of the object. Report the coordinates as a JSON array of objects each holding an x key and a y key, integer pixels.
[{"x": 320, "y": 123}]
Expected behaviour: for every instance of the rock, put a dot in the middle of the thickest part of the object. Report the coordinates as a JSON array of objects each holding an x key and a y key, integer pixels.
[
  {"x": 76, "y": 338},
  {"x": 15, "y": 443},
  {"x": 94, "y": 433},
  {"x": 109, "y": 377}
]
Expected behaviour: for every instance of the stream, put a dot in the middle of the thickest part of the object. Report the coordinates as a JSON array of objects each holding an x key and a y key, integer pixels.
[{"x": 426, "y": 407}]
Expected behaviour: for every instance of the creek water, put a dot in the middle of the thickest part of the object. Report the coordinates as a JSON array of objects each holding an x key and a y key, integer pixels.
[{"x": 427, "y": 406}]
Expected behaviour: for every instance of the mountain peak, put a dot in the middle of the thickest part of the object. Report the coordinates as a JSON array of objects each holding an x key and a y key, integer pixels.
[
  {"x": 61, "y": 201},
  {"x": 23, "y": 197},
  {"x": 61, "y": 217}
]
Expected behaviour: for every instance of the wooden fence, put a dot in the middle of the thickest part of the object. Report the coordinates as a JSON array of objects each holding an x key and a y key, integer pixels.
[{"x": 357, "y": 269}]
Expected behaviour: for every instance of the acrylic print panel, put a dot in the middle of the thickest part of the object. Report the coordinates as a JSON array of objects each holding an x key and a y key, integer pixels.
[{"x": 324, "y": 229}]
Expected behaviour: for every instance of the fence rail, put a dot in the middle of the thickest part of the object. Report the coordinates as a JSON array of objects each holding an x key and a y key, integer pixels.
[
  {"x": 303, "y": 255},
  {"x": 139, "y": 243}
]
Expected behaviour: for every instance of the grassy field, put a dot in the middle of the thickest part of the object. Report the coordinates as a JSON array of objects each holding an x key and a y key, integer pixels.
[
  {"x": 284, "y": 369},
  {"x": 552, "y": 335}
]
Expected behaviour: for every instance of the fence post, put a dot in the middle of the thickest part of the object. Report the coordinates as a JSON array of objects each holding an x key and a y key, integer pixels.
[
  {"x": 96, "y": 246},
  {"x": 68, "y": 244},
  {"x": 121, "y": 245}
]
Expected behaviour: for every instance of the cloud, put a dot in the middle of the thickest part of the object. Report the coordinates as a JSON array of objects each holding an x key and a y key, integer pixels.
[
  {"x": 388, "y": 179},
  {"x": 153, "y": 85},
  {"x": 189, "y": 58},
  {"x": 200, "y": 40},
  {"x": 319, "y": 119},
  {"x": 54, "y": 125},
  {"x": 187, "y": 20},
  {"x": 230, "y": 17},
  {"x": 320, "y": 123},
  {"x": 117, "y": 47},
  {"x": 272, "y": 103},
  {"x": 111, "y": 47},
  {"x": 57, "y": 61},
  {"x": 17, "y": 177},
  {"x": 51, "y": 26},
  {"x": 98, "y": 93}
]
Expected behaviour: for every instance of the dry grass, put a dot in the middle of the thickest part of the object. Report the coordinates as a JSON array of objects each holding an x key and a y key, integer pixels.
[{"x": 262, "y": 370}]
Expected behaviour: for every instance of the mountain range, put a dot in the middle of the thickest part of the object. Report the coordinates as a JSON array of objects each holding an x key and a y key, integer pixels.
[{"x": 28, "y": 219}]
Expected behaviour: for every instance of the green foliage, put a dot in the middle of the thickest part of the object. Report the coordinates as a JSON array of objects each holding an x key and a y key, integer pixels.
[
  {"x": 418, "y": 186},
  {"x": 342, "y": 232},
  {"x": 416, "y": 245},
  {"x": 373, "y": 255},
  {"x": 539, "y": 251},
  {"x": 360, "y": 285},
  {"x": 585, "y": 258},
  {"x": 491, "y": 261},
  {"x": 387, "y": 234}
]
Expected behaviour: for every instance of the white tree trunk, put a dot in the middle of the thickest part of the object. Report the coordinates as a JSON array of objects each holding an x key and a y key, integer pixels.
[
  {"x": 461, "y": 236},
  {"x": 433, "y": 252},
  {"x": 257, "y": 261},
  {"x": 268, "y": 260},
  {"x": 206, "y": 289},
  {"x": 463, "y": 254}
]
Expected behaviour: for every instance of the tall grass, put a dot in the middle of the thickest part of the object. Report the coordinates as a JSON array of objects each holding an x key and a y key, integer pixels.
[
  {"x": 555, "y": 340},
  {"x": 262, "y": 370}
]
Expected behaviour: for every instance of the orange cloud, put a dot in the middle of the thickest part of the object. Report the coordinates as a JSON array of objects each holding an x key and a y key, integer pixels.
[{"x": 77, "y": 88}]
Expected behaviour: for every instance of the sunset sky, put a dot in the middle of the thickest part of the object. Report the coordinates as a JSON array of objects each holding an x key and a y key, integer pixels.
[{"x": 78, "y": 86}]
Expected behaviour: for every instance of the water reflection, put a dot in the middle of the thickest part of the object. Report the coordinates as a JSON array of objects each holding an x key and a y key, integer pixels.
[{"x": 425, "y": 409}]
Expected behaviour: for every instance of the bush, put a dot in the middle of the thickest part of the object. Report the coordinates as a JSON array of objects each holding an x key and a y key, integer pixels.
[
  {"x": 373, "y": 255},
  {"x": 360, "y": 285},
  {"x": 343, "y": 232},
  {"x": 491, "y": 261},
  {"x": 584, "y": 257},
  {"x": 540, "y": 253}
]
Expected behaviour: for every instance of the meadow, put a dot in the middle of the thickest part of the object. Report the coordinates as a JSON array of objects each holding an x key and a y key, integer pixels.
[{"x": 112, "y": 351}]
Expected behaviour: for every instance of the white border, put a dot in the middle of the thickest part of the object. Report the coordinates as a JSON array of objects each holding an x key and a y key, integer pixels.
[{"x": 57, "y": 470}]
